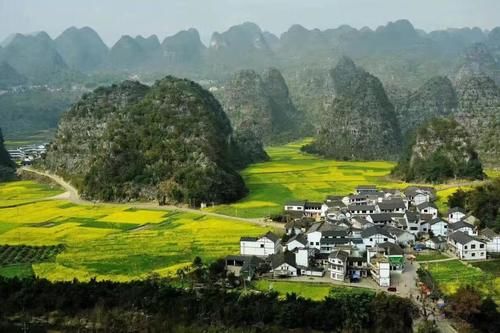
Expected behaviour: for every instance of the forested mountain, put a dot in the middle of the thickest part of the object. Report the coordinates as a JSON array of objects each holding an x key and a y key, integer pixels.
[
  {"x": 34, "y": 56},
  {"x": 134, "y": 53},
  {"x": 262, "y": 105},
  {"x": 7, "y": 167},
  {"x": 479, "y": 113},
  {"x": 171, "y": 142},
  {"x": 82, "y": 49},
  {"x": 183, "y": 51},
  {"x": 441, "y": 150},
  {"x": 437, "y": 97},
  {"x": 9, "y": 77},
  {"x": 360, "y": 122},
  {"x": 24, "y": 112}
]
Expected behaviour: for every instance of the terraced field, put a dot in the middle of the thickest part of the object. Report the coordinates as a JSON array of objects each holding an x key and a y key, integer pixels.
[
  {"x": 450, "y": 275},
  {"x": 109, "y": 241},
  {"x": 293, "y": 175}
]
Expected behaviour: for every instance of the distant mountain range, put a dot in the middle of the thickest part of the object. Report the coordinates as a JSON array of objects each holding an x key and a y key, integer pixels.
[{"x": 397, "y": 53}]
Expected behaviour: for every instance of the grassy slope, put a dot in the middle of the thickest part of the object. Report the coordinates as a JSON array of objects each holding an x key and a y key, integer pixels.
[
  {"x": 112, "y": 241},
  {"x": 293, "y": 175},
  {"x": 314, "y": 291}
]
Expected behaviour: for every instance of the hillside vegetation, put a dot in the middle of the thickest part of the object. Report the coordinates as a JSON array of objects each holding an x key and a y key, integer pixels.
[
  {"x": 360, "y": 123},
  {"x": 7, "y": 166},
  {"x": 171, "y": 142},
  {"x": 440, "y": 151}
]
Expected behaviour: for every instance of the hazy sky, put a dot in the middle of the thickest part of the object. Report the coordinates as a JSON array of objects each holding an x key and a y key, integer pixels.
[{"x": 113, "y": 18}]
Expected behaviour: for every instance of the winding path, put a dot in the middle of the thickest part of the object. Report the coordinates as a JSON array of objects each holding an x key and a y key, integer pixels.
[{"x": 71, "y": 194}]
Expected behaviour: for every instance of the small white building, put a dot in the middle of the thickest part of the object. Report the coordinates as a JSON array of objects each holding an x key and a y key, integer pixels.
[
  {"x": 361, "y": 209},
  {"x": 466, "y": 247},
  {"x": 492, "y": 240},
  {"x": 284, "y": 265},
  {"x": 314, "y": 236},
  {"x": 427, "y": 208},
  {"x": 455, "y": 214},
  {"x": 401, "y": 236},
  {"x": 380, "y": 269},
  {"x": 295, "y": 206},
  {"x": 263, "y": 246},
  {"x": 438, "y": 227},
  {"x": 376, "y": 235},
  {"x": 463, "y": 227},
  {"x": 337, "y": 264},
  {"x": 436, "y": 243},
  {"x": 296, "y": 242}
]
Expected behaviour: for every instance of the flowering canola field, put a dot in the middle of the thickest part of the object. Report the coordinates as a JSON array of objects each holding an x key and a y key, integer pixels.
[
  {"x": 112, "y": 242},
  {"x": 294, "y": 175}
]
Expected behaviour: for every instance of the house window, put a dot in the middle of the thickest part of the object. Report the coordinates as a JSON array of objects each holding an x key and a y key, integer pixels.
[
  {"x": 371, "y": 239},
  {"x": 262, "y": 245},
  {"x": 446, "y": 227},
  {"x": 473, "y": 254},
  {"x": 481, "y": 246},
  {"x": 473, "y": 246},
  {"x": 317, "y": 243},
  {"x": 465, "y": 247},
  {"x": 311, "y": 243},
  {"x": 385, "y": 239},
  {"x": 482, "y": 253}
]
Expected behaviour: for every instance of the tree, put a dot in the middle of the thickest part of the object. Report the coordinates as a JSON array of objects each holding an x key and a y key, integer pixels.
[
  {"x": 465, "y": 303},
  {"x": 457, "y": 199}
]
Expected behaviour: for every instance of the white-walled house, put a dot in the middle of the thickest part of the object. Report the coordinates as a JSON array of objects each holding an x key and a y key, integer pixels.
[
  {"x": 295, "y": 206},
  {"x": 401, "y": 236},
  {"x": 455, "y": 214},
  {"x": 427, "y": 208},
  {"x": 466, "y": 247},
  {"x": 438, "y": 227},
  {"x": 361, "y": 209},
  {"x": 436, "y": 243},
  {"x": 492, "y": 240},
  {"x": 263, "y": 246},
  {"x": 463, "y": 227},
  {"x": 412, "y": 223},
  {"x": 417, "y": 195},
  {"x": 314, "y": 236},
  {"x": 284, "y": 265},
  {"x": 296, "y": 242},
  {"x": 376, "y": 235},
  {"x": 379, "y": 267},
  {"x": 337, "y": 264}
]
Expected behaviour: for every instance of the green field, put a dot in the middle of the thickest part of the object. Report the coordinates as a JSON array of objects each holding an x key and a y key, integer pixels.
[
  {"x": 293, "y": 175},
  {"x": 430, "y": 255},
  {"x": 450, "y": 275},
  {"x": 490, "y": 266},
  {"x": 314, "y": 291},
  {"x": 109, "y": 241}
]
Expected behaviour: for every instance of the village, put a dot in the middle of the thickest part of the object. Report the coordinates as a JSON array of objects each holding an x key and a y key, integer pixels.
[{"x": 367, "y": 238}]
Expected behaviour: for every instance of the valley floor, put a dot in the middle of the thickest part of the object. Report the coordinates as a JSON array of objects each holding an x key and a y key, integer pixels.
[{"x": 130, "y": 241}]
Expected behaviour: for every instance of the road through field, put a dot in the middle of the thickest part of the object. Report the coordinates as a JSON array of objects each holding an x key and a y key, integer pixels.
[{"x": 72, "y": 195}]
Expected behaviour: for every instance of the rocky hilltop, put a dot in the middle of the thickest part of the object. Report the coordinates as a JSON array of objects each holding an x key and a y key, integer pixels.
[
  {"x": 436, "y": 98},
  {"x": 360, "y": 122},
  {"x": 171, "y": 142},
  {"x": 82, "y": 49},
  {"x": 262, "y": 105},
  {"x": 441, "y": 150},
  {"x": 7, "y": 167},
  {"x": 479, "y": 113}
]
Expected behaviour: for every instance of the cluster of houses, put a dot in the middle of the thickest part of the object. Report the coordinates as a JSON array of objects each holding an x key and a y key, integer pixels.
[
  {"x": 360, "y": 235},
  {"x": 27, "y": 154}
]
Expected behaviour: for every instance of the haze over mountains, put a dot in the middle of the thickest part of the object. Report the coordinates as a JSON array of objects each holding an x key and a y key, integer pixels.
[
  {"x": 361, "y": 92},
  {"x": 387, "y": 52}
]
